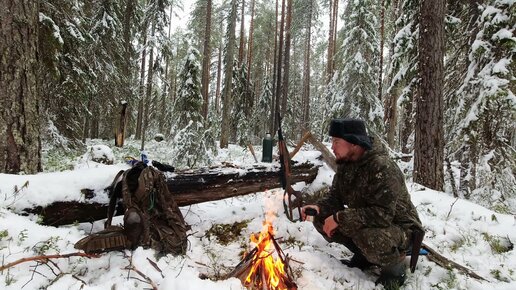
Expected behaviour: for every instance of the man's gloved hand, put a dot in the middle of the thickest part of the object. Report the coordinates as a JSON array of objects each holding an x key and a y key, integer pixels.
[{"x": 307, "y": 211}]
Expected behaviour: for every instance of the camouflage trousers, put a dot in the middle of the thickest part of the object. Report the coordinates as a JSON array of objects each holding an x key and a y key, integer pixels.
[{"x": 380, "y": 246}]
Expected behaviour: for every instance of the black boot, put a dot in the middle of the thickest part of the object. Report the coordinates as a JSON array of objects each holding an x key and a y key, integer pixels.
[
  {"x": 357, "y": 261},
  {"x": 393, "y": 276}
]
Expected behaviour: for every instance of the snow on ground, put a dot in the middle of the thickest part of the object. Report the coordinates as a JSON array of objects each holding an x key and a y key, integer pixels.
[{"x": 460, "y": 230}]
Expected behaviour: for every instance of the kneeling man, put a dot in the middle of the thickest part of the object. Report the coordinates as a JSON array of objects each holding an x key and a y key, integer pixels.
[{"x": 368, "y": 208}]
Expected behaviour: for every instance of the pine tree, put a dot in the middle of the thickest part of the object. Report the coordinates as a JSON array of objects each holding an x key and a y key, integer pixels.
[
  {"x": 227, "y": 97},
  {"x": 309, "y": 12},
  {"x": 197, "y": 23},
  {"x": 20, "y": 146},
  {"x": 262, "y": 46},
  {"x": 429, "y": 135}
]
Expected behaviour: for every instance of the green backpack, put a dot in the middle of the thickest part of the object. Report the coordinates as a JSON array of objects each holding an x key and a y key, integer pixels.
[{"x": 151, "y": 218}]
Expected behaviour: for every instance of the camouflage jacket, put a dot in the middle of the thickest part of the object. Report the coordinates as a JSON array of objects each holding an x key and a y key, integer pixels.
[{"x": 370, "y": 193}]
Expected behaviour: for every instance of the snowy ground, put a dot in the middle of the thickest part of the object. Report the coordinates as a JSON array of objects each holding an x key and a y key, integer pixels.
[{"x": 462, "y": 231}]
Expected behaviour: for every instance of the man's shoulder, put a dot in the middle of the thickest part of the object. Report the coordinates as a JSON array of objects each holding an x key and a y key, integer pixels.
[{"x": 379, "y": 161}]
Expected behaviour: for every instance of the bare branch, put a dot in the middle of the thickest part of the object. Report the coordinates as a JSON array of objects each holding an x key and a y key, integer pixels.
[
  {"x": 451, "y": 207},
  {"x": 154, "y": 286},
  {"x": 46, "y": 258}
]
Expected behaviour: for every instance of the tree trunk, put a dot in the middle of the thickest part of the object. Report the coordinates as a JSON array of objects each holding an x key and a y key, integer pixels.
[
  {"x": 188, "y": 188},
  {"x": 305, "y": 123},
  {"x": 250, "y": 49},
  {"x": 382, "y": 38},
  {"x": 205, "y": 82},
  {"x": 332, "y": 35},
  {"x": 20, "y": 144},
  {"x": 334, "y": 42},
  {"x": 87, "y": 120},
  {"x": 242, "y": 36},
  {"x": 429, "y": 136},
  {"x": 139, "y": 118},
  {"x": 406, "y": 125},
  {"x": 95, "y": 110},
  {"x": 391, "y": 118},
  {"x": 219, "y": 77},
  {"x": 128, "y": 52},
  {"x": 329, "y": 61},
  {"x": 279, "y": 68},
  {"x": 391, "y": 99},
  {"x": 286, "y": 60},
  {"x": 148, "y": 93},
  {"x": 128, "y": 67},
  {"x": 166, "y": 85},
  {"x": 274, "y": 72},
  {"x": 228, "y": 80},
  {"x": 120, "y": 134}
]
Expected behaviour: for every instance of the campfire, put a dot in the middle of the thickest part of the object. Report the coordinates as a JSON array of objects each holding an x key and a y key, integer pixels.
[{"x": 259, "y": 269}]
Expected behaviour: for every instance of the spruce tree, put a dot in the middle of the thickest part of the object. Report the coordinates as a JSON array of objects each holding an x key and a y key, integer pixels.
[
  {"x": 262, "y": 110},
  {"x": 358, "y": 87},
  {"x": 403, "y": 66},
  {"x": 243, "y": 107},
  {"x": 191, "y": 137},
  {"x": 482, "y": 139},
  {"x": 67, "y": 76}
]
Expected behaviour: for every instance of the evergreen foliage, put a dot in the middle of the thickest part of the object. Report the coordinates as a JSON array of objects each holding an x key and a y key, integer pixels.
[
  {"x": 482, "y": 138},
  {"x": 192, "y": 139},
  {"x": 356, "y": 96},
  {"x": 403, "y": 67},
  {"x": 197, "y": 23},
  {"x": 67, "y": 78},
  {"x": 244, "y": 97},
  {"x": 262, "y": 111}
]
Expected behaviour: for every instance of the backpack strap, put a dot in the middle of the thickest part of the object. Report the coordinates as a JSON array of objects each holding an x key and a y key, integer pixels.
[
  {"x": 114, "y": 191},
  {"x": 131, "y": 183}
]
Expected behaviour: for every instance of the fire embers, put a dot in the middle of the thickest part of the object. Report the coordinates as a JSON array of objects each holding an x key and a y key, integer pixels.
[{"x": 259, "y": 269}]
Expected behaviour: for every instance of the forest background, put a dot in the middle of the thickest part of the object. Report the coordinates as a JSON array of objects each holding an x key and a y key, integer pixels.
[{"x": 433, "y": 79}]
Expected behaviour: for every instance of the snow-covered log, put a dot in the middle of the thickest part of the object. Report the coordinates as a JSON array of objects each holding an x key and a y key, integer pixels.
[{"x": 189, "y": 187}]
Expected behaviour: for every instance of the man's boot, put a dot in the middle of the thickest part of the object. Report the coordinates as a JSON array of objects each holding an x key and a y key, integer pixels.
[
  {"x": 392, "y": 276},
  {"x": 357, "y": 261}
]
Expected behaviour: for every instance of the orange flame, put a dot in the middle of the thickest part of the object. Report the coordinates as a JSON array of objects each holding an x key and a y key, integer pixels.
[{"x": 272, "y": 270}]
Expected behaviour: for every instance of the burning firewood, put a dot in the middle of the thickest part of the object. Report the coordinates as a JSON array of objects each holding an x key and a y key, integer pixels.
[{"x": 259, "y": 269}]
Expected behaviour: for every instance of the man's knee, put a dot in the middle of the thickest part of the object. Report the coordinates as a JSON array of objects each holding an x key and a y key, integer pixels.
[{"x": 382, "y": 246}]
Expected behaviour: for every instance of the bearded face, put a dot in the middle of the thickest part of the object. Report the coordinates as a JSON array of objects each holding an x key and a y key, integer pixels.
[
  {"x": 345, "y": 151},
  {"x": 342, "y": 149}
]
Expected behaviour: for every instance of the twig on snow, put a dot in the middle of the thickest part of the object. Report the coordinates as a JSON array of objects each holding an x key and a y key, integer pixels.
[{"x": 46, "y": 258}]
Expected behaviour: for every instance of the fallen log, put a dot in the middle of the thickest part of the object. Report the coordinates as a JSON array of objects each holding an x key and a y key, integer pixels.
[{"x": 190, "y": 187}]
